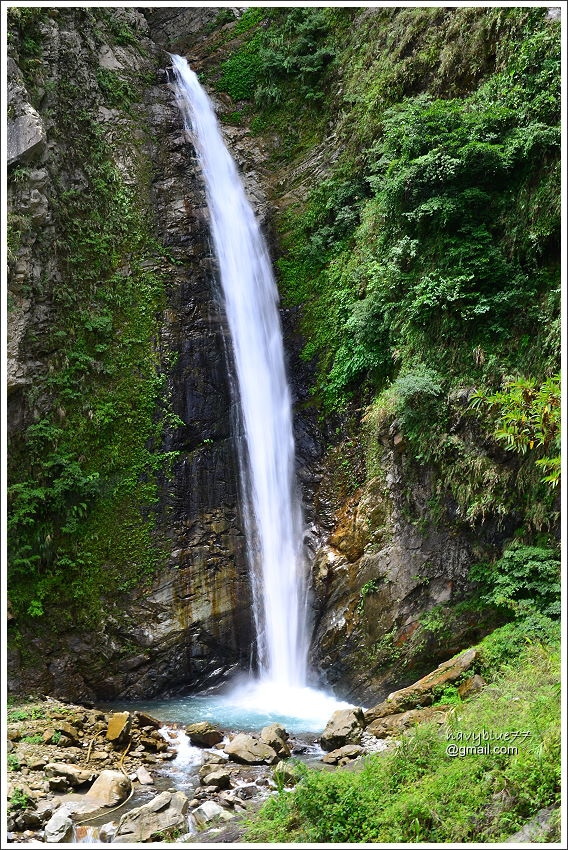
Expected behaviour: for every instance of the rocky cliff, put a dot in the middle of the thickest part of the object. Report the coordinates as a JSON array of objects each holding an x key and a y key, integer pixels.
[
  {"x": 129, "y": 574},
  {"x": 168, "y": 589}
]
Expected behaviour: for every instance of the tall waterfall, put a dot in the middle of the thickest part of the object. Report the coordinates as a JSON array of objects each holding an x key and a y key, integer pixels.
[{"x": 273, "y": 520}]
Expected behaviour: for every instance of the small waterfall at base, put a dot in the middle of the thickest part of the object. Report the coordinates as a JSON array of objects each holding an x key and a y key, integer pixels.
[{"x": 273, "y": 520}]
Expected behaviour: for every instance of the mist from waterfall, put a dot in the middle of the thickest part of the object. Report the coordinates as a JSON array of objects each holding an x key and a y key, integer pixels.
[{"x": 272, "y": 512}]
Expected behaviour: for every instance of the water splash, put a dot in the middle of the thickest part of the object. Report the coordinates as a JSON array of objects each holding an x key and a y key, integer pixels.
[{"x": 273, "y": 520}]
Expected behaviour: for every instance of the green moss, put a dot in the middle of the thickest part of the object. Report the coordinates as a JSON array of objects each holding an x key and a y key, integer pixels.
[
  {"x": 83, "y": 476},
  {"x": 429, "y": 242}
]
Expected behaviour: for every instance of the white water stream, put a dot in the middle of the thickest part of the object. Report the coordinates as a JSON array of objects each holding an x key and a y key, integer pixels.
[{"x": 273, "y": 518}]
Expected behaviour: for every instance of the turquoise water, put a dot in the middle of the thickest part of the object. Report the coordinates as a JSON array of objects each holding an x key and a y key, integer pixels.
[{"x": 248, "y": 708}]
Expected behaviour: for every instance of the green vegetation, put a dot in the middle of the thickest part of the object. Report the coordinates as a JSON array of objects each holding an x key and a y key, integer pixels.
[
  {"x": 418, "y": 793},
  {"x": 425, "y": 253},
  {"x": 525, "y": 578},
  {"x": 32, "y": 739},
  {"x": 369, "y": 587},
  {"x": 33, "y": 713},
  {"x": 19, "y": 799},
  {"x": 288, "y": 49},
  {"x": 13, "y": 762},
  {"x": 528, "y": 419},
  {"x": 83, "y": 475},
  {"x": 117, "y": 91}
]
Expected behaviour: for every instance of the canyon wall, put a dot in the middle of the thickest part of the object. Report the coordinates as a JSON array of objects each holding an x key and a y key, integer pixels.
[{"x": 129, "y": 574}]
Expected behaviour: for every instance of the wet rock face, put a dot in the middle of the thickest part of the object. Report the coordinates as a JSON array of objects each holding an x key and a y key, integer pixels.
[
  {"x": 177, "y": 30},
  {"x": 206, "y": 593},
  {"x": 194, "y": 624},
  {"x": 375, "y": 577}
]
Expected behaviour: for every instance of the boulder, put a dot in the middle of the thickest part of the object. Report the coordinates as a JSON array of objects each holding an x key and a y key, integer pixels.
[
  {"x": 245, "y": 749},
  {"x": 25, "y": 136},
  {"x": 143, "y": 776},
  {"x": 73, "y": 775},
  {"x": 59, "y": 827},
  {"x": 343, "y": 754},
  {"x": 165, "y": 812},
  {"x": 394, "y": 724},
  {"x": 58, "y": 784},
  {"x": 209, "y": 811},
  {"x": 215, "y": 758},
  {"x": 36, "y": 762},
  {"x": 107, "y": 832},
  {"x": 214, "y": 775},
  {"x": 145, "y": 719},
  {"x": 203, "y": 734},
  {"x": 344, "y": 727},
  {"x": 276, "y": 737},
  {"x": 539, "y": 829},
  {"x": 67, "y": 731},
  {"x": 154, "y": 742},
  {"x": 110, "y": 789},
  {"x": 250, "y": 790},
  {"x": 421, "y": 692},
  {"x": 119, "y": 727},
  {"x": 28, "y": 820}
]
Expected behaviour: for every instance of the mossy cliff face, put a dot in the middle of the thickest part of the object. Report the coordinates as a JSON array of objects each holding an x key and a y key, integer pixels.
[
  {"x": 127, "y": 572},
  {"x": 411, "y": 167},
  {"x": 404, "y": 163}
]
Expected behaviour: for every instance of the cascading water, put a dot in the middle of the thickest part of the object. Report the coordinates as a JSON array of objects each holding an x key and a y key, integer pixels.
[{"x": 273, "y": 517}]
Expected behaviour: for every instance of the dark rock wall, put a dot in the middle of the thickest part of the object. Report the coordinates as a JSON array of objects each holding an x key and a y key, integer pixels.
[
  {"x": 193, "y": 623},
  {"x": 200, "y": 509}
]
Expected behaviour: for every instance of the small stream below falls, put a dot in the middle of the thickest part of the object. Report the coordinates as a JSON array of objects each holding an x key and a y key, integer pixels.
[{"x": 182, "y": 774}]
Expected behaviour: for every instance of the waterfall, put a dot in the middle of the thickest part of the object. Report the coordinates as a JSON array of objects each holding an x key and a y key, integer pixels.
[{"x": 272, "y": 514}]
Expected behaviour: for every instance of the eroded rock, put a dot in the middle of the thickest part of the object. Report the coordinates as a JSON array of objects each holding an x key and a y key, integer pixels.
[
  {"x": 119, "y": 727},
  {"x": 26, "y": 137},
  {"x": 394, "y": 724},
  {"x": 343, "y": 754},
  {"x": 245, "y": 749},
  {"x": 276, "y": 736},
  {"x": 208, "y": 812},
  {"x": 164, "y": 813},
  {"x": 203, "y": 734},
  {"x": 421, "y": 692},
  {"x": 73, "y": 775},
  {"x": 59, "y": 827},
  {"x": 111, "y": 788},
  {"x": 471, "y": 686},
  {"x": 216, "y": 776},
  {"x": 344, "y": 727},
  {"x": 143, "y": 776}
]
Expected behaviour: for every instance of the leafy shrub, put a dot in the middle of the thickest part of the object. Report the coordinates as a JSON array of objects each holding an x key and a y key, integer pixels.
[
  {"x": 508, "y": 642},
  {"x": 528, "y": 419},
  {"x": 13, "y": 762},
  {"x": 241, "y": 72},
  {"x": 117, "y": 91},
  {"x": 32, "y": 739},
  {"x": 288, "y": 51},
  {"x": 447, "y": 696},
  {"x": 524, "y": 578},
  {"x": 19, "y": 799},
  {"x": 17, "y": 714}
]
